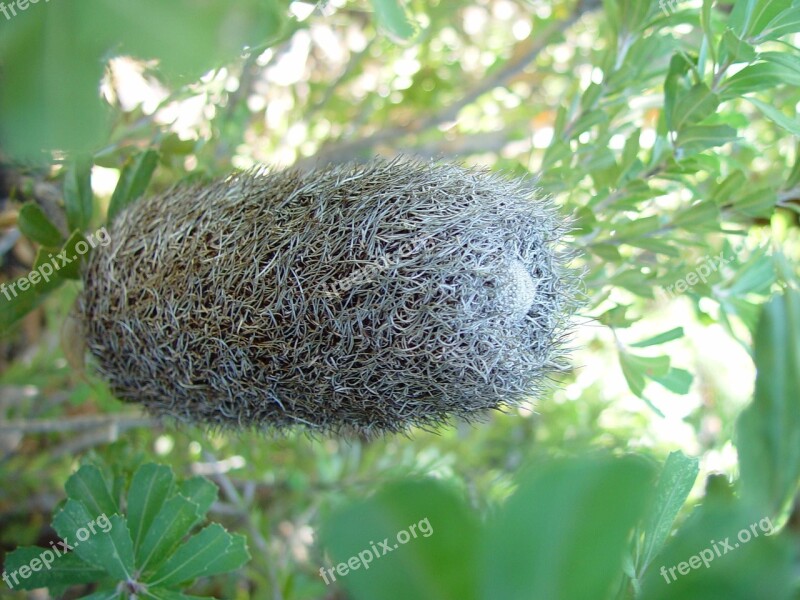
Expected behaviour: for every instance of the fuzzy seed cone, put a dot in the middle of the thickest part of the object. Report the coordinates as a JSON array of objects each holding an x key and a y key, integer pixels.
[{"x": 362, "y": 298}]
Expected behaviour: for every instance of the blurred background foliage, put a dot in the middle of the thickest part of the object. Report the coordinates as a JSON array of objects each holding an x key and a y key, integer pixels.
[{"x": 667, "y": 130}]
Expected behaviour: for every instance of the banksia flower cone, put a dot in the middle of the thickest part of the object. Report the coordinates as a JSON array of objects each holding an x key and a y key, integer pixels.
[{"x": 362, "y": 298}]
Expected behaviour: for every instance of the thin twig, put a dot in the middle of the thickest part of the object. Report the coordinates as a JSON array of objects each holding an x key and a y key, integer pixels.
[
  {"x": 345, "y": 151},
  {"x": 120, "y": 422},
  {"x": 236, "y": 499}
]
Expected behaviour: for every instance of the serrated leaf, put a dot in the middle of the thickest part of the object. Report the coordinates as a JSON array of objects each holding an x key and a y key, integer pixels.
[
  {"x": 88, "y": 486},
  {"x": 198, "y": 556},
  {"x": 172, "y": 523},
  {"x": 66, "y": 569},
  {"x": 133, "y": 181},
  {"x": 675, "y": 481},
  {"x": 661, "y": 338},
  {"x": 235, "y": 557},
  {"x": 111, "y": 550},
  {"x": 33, "y": 223},
  {"x": 78, "y": 195},
  {"x": 150, "y": 488},
  {"x": 202, "y": 492}
]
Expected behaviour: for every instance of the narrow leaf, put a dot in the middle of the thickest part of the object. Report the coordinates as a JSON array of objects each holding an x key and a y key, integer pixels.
[
  {"x": 78, "y": 196},
  {"x": 674, "y": 484},
  {"x": 150, "y": 488},
  {"x": 132, "y": 182},
  {"x": 87, "y": 485},
  {"x": 34, "y": 223},
  {"x": 661, "y": 338}
]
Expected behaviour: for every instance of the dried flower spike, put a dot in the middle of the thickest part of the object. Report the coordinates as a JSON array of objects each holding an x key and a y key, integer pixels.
[{"x": 361, "y": 297}]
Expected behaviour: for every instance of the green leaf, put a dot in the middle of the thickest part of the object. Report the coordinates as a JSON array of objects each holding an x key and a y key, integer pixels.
[
  {"x": 707, "y": 559},
  {"x": 235, "y": 557},
  {"x": 768, "y": 431},
  {"x": 110, "y": 594},
  {"x": 531, "y": 552},
  {"x": 438, "y": 560},
  {"x": 677, "y": 381},
  {"x": 199, "y": 556},
  {"x": 784, "y": 23},
  {"x": 674, "y": 484},
  {"x": 72, "y": 270},
  {"x": 731, "y": 186},
  {"x": 16, "y": 302},
  {"x": 200, "y": 491},
  {"x": 635, "y": 13},
  {"x": 702, "y": 216},
  {"x": 661, "y": 338},
  {"x": 735, "y": 49},
  {"x": 776, "y": 116},
  {"x": 636, "y": 369},
  {"x": 750, "y": 17},
  {"x": 794, "y": 176},
  {"x": 133, "y": 182},
  {"x": 637, "y": 228},
  {"x": 88, "y": 486},
  {"x": 172, "y": 523},
  {"x": 759, "y": 202},
  {"x": 51, "y": 569},
  {"x": 34, "y": 223},
  {"x": 50, "y": 96},
  {"x": 393, "y": 18},
  {"x": 757, "y": 77},
  {"x": 696, "y": 138},
  {"x": 164, "y": 594},
  {"x": 78, "y": 195},
  {"x": 150, "y": 488},
  {"x": 693, "y": 106},
  {"x": 756, "y": 276},
  {"x": 110, "y": 548}
]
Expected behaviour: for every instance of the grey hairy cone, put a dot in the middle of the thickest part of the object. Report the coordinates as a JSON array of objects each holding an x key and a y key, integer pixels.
[{"x": 361, "y": 298}]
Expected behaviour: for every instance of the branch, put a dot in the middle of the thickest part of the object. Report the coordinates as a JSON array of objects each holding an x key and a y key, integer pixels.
[
  {"x": 344, "y": 151},
  {"x": 119, "y": 423}
]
